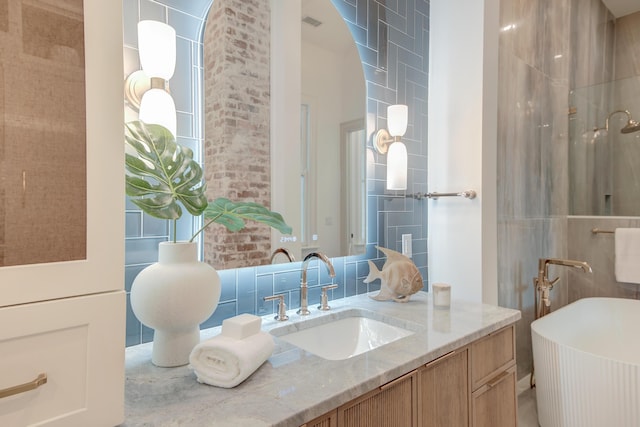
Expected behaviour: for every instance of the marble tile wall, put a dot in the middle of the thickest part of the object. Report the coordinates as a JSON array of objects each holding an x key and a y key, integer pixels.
[
  {"x": 535, "y": 63},
  {"x": 626, "y": 95},
  {"x": 392, "y": 39},
  {"x": 625, "y": 148},
  {"x": 603, "y": 181},
  {"x": 598, "y": 251},
  {"x": 623, "y": 160},
  {"x": 627, "y": 54},
  {"x": 547, "y": 50}
]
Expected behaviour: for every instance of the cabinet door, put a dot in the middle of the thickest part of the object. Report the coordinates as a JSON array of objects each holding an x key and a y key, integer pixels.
[
  {"x": 494, "y": 404},
  {"x": 392, "y": 405},
  {"x": 492, "y": 355},
  {"x": 102, "y": 269},
  {"x": 76, "y": 346},
  {"x": 443, "y": 391}
]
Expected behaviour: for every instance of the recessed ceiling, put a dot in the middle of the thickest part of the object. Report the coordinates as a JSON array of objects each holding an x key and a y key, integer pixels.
[{"x": 622, "y": 7}]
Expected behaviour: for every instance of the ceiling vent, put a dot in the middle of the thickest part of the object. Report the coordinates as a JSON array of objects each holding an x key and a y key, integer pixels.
[{"x": 311, "y": 21}]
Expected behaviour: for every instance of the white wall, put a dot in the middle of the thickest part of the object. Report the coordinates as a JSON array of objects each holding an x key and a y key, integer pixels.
[
  {"x": 321, "y": 83},
  {"x": 334, "y": 82},
  {"x": 285, "y": 118},
  {"x": 462, "y": 146}
]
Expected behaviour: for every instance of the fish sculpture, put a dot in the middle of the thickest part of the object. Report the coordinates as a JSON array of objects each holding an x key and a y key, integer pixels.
[{"x": 399, "y": 277}]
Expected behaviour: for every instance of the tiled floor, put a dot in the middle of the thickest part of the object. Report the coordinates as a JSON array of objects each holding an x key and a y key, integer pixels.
[{"x": 527, "y": 413}]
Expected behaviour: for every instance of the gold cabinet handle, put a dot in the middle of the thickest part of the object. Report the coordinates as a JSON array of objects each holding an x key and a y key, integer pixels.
[
  {"x": 498, "y": 379},
  {"x": 440, "y": 359},
  {"x": 396, "y": 381},
  {"x": 31, "y": 385}
]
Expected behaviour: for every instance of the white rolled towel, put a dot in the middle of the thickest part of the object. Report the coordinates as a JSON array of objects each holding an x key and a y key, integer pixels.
[{"x": 225, "y": 362}]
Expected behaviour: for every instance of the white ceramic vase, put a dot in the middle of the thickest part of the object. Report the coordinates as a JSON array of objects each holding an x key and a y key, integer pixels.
[{"x": 173, "y": 296}]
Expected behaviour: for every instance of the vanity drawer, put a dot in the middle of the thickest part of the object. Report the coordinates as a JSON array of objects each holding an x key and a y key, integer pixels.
[
  {"x": 78, "y": 343},
  {"x": 491, "y": 355}
]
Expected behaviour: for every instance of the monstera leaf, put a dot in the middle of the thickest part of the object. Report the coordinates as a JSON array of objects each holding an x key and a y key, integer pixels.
[
  {"x": 161, "y": 174},
  {"x": 233, "y": 215}
]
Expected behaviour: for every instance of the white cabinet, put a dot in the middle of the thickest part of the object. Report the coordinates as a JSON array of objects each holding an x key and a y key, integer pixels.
[
  {"x": 78, "y": 344},
  {"x": 66, "y": 319},
  {"x": 103, "y": 268}
]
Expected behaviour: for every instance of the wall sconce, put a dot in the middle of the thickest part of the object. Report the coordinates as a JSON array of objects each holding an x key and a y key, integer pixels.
[
  {"x": 389, "y": 142},
  {"x": 147, "y": 89}
]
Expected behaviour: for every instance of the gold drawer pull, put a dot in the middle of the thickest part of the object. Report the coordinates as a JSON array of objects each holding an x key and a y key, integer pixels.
[
  {"x": 31, "y": 385},
  {"x": 396, "y": 381},
  {"x": 440, "y": 359},
  {"x": 497, "y": 379}
]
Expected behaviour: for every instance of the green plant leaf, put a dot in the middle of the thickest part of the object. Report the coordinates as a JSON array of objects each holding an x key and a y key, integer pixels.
[
  {"x": 233, "y": 215},
  {"x": 161, "y": 175}
]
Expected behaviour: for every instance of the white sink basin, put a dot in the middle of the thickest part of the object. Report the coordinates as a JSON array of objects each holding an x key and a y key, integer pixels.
[{"x": 341, "y": 337}]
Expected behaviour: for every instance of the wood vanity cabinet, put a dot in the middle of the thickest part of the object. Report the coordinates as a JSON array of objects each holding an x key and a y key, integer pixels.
[
  {"x": 329, "y": 419},
  {"x": 493, "y": 380},
  {"x": 471, "y": 386},
  {"x": 443, "y": 393},
  {"x": 392, "y": 404}
]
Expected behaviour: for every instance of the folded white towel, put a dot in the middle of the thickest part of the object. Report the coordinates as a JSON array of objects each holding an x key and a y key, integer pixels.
[
  {"x": 225, "y": 362},
  {"x": 627, "y": 248}
]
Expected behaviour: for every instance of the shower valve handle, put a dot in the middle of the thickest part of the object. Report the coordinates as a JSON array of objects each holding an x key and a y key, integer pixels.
[{"x": 553, "y": 282}]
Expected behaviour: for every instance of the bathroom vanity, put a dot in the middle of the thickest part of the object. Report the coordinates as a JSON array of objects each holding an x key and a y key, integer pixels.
[{"x": 457, "y": 367}]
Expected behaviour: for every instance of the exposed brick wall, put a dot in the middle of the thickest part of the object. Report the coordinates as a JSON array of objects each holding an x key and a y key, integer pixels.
[{"x": 236, "y": 129}]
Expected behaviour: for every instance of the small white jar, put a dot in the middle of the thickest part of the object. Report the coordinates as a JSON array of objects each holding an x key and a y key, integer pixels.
[{"x": 441, "y": 295}]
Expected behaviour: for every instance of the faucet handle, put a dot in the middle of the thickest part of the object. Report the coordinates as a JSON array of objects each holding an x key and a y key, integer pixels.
[
  {"x": 324, "y": 306},
  {"x": 282, "y": 307}
]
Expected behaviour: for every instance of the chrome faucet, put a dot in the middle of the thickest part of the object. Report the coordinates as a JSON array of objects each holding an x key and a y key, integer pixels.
[
  {"x": 543, "y": 285},
  {"x": 304, "y": 302},
  {"x": 284, "y": 251}
]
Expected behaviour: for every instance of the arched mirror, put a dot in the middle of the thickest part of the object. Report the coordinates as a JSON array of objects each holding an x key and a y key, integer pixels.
[{"x": 284, "y": 126}]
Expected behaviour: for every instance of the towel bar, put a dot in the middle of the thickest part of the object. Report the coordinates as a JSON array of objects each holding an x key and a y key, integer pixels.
[
  {"x": 599, "y": 231},
  {"x": 469, "y": 194}
]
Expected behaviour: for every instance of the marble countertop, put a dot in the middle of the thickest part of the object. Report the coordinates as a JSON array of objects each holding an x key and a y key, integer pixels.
[{"x": 294, "y": 386}]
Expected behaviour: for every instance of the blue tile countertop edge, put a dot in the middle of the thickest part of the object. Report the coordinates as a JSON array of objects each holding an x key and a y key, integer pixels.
[{"x": 294, "y": 386}]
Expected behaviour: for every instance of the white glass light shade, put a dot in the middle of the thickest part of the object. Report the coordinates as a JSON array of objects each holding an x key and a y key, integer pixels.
[
  {"x": 157, "y": 107},
  {"x": 397, "y": 166},
  {"x": 157, "y": 49},
  {"x": 397, "y": 118}
]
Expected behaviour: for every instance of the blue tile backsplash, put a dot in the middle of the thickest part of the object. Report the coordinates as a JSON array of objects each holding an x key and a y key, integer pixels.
[{"x": 392, "y": 39}]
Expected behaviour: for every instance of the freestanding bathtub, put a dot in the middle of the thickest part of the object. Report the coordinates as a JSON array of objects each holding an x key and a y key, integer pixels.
[{"x": 587, "y": 364}]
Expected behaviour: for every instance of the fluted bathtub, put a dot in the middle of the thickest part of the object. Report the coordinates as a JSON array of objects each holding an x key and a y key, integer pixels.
[{"x": 587, "y": 364}]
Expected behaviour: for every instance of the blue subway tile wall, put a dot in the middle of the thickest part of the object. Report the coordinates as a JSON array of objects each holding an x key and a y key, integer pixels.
[
  {"x": 143, "y": 233},
  {"x": 392, "y": 39}
]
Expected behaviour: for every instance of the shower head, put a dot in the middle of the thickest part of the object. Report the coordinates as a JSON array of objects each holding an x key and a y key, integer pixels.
[{"x": 631, "y": 126}]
